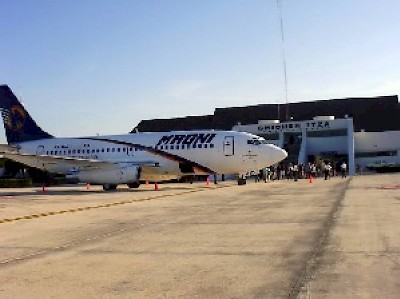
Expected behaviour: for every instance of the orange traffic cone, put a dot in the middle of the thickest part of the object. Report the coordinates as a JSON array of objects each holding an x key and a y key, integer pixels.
[
  {"x": 155, "y": 186},
  {"x": 43, "y": 188},
  {"x": 311, "y": 179},
  {"x": 208, "y": 181},
  {"x": 87, "y": 186},
  {"x": 147, "y": 183}
]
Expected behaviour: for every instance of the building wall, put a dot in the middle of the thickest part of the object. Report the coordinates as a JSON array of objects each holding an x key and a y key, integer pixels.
[
  {"x": 374, "y": 114},
  {"x": 377, "y": 141},
  {"x": 318, "y": 145},
  {"x": 383, "y": 146},
  {"x": 333, "y": 136}
]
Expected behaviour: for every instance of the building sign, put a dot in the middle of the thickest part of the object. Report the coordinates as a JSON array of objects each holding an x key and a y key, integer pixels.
[{"x": 296, "y": 126}]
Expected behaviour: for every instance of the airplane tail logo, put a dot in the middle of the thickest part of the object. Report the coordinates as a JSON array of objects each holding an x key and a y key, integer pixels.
[
  {"x": 18, "y": 124},
  {"x": 14, "y": 118}
]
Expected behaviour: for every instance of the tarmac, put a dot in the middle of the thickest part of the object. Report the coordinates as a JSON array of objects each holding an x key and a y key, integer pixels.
[{"x": 283, "y": 239}]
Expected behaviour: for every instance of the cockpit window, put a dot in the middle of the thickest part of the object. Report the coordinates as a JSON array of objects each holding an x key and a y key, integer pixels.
[{"x": 257, "y": 141}]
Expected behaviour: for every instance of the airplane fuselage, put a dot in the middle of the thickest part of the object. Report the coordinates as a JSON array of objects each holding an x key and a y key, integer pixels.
[
  {"x": 187, "y": 152},
  {"x": 131, "y": 158}
]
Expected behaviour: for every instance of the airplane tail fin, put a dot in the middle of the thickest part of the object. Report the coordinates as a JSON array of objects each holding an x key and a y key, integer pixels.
[{"x": 18, "y": 124}]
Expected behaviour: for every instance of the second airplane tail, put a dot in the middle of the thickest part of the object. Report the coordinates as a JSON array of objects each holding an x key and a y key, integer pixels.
[{"x": 18, "y": 124}]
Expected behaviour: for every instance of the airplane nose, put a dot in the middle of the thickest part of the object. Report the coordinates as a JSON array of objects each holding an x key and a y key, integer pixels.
[{"x": 277, "y": 154}]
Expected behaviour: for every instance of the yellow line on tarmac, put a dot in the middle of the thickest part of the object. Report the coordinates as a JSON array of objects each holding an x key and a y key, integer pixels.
[{"x": 108, "y": 205}]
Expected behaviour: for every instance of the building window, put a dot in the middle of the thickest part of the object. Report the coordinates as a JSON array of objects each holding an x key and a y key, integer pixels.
[
  {"x": 376, "y": 154},
  {"x": 327, "y": 133}
]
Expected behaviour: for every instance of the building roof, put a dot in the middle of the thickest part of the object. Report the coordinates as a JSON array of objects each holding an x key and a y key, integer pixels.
[{"x": 370, "y": 114}]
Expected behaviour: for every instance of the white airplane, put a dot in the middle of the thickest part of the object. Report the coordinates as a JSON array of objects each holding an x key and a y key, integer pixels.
[{"x": 131, "y": 158}]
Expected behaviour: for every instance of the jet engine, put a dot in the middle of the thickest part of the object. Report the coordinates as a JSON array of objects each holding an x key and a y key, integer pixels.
[{"x": 112, "y": 176}]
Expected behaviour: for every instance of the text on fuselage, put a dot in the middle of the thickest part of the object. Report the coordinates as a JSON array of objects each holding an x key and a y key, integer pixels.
[{"x": 187, "y": 139}]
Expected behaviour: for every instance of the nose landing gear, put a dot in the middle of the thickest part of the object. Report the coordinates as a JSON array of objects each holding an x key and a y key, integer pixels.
[{"x": 242, "y": 180}]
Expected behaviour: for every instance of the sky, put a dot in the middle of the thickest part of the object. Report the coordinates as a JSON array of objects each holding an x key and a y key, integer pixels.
[{"x": 100, "y": 67}]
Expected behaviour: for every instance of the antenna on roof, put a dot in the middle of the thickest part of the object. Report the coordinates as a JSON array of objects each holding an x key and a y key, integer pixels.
[{"x": 283, "y": 60}]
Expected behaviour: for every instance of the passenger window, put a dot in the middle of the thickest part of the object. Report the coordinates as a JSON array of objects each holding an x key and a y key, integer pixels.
[
  {"x": 113, "y": 149},
  {"x": 124, "y": 149},
  {"x": 118, "y": 149},
  {"x": 199, "y": 146},
  {"x": 211, "y": 145},
  {"x": 102, "y": 150},
  {"x": 108, "y": 150},
  {"x": 194, "y": 146},
  {"x": 205, "y": 146},
  {"x": 79, "y": 151},
  {"x": 73, "y": 151},
  {"x": 97, "y": 151},
  {"x": 47, "y": 152}
]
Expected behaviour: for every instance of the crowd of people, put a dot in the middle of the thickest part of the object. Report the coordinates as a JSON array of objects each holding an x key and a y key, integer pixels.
[{"x": 293, "y": 171}]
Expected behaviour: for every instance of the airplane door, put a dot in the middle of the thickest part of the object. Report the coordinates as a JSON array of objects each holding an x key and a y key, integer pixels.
[
  {"x": 130, "y": 151},
  {"x": 229, "y": 146},
  {"x": 40, "y": 150}
]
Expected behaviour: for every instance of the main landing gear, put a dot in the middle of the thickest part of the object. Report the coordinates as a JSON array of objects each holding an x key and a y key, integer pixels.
[
  {"x": 134, "y": 185},
  {"x": 109, "y": 187}
]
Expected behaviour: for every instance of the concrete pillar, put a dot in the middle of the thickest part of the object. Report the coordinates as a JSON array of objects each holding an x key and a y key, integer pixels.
[
  {"x": 281, "y": 140},
  {"x": 350, "y": 146},
  {"x": 303, "y": 148}
]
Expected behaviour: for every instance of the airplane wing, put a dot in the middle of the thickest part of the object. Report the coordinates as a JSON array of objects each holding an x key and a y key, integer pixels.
[
  {"x": 7, "y": 148},
  {"x": 54, "y": 163},
  {"x": 66, "y": 164},
  {"x": 63, "y": 164}
]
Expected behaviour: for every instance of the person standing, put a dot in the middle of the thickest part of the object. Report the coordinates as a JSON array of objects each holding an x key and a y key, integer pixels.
[
  {"x": 279, "y": 172},
  {"x": 327, "y": 171},
  {"x": 295, "y": 172},
  {"x": 343, "y": 169}
]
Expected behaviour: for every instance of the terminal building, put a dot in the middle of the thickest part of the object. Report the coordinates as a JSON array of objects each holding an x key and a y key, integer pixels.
[{"x": 364, "y": 132}]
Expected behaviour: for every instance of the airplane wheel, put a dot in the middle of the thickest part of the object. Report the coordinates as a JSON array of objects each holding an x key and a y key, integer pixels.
[
  {"x": 109, "y": 187},
  {"x": 134, "y": 185},
  {"x": 241, "y": 181}
]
